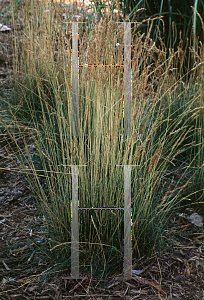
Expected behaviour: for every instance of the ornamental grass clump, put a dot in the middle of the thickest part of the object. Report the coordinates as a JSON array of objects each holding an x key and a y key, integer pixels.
[{"x": 41, "y": 114}]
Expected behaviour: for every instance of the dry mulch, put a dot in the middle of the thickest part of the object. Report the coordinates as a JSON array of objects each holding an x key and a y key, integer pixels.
[{"x": 175, "y": 273}]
